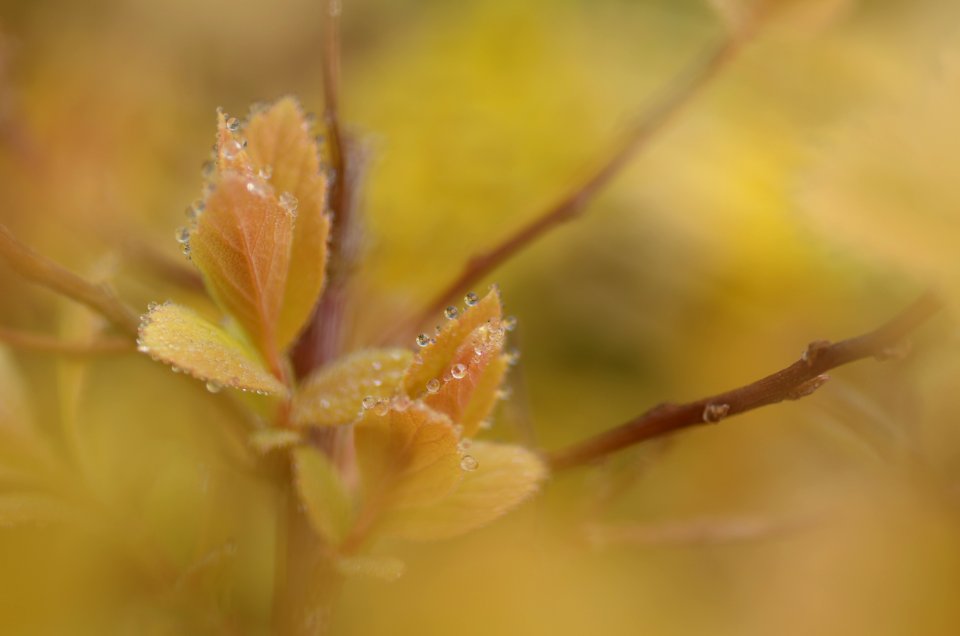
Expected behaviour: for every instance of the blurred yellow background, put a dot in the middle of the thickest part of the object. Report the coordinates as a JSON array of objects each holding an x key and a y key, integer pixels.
[{"x": 809, "y": 193}]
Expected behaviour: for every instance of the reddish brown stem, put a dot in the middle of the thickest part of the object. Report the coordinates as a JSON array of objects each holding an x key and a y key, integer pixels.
[
  {"x": 43, "y": 271},
  {"x": 795, "y": 381},
  {"x": 573, "y": 204}
]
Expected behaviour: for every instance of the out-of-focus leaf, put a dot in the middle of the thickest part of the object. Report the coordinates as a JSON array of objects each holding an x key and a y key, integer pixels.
[
  {"x": 180, "y": 337},
  {"x": 407, "y": 456},
  {"x": 888, "y": 184},
  {"x": 272, "y": 439},
  {"x": 435, "y": 358},
  {"x": 469, "y": 385},
  {"x": 322, "y": 493},
  {"x": 14, "y": 408},
  {"x": 241, "y": 243},
  {"x": 280, "y": 144},
  {"x": 31, "y": 508},
  {"x": 505, "y": 476},
  {"x": 333, "y": 395},
  {"x": 378, "y": 567}
]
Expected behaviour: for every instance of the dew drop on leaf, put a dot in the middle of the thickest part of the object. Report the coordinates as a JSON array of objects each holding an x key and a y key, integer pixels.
[
  {"x": 471, "y": 299},
  {"x": 450, "y": 312},
  {"x": 423, "y": 340},
  {"x": 459, "y": 371},
  {"x": 469, "y": 463},
  {"x": 369, "y": 402},
  {"x": 433, "y": 386}
]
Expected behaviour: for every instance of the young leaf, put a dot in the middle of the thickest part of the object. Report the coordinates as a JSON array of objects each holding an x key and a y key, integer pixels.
[
  {"x": 334, "y": 394},
  {"x": 280, "y": 143},
  {"x": 470, "y": 383},
  {"x": 406, "y": 456},
  {"x": 436, "y": 358},
  {"x": 241, "y": 243},
  {"x": 323, "y": 494},
  {"x": 180, "y": 337},
  {"x": 505, "y": 476}
]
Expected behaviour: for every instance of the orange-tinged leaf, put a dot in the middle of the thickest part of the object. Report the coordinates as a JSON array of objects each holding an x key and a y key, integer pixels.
[
  {"x": 466, "y": 373},
  {"x": 241, "y": 243},
  {"x": 180, "y": 337},
  {"x": 280, "y": 142},
  {"x": 407, "y": 455},
  {"x": 323, "y": 494},
  {"x": 435, "y": 358},
  {"x": 505, "y": 477},
  {"x": 333, "y": 395}
]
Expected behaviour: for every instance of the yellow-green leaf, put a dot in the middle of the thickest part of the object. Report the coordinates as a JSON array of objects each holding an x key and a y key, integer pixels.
[
  {"x": 181, "y": 338},
  {"x": 271, "y": 439},
  {"x": 241, "y": 243},
  {"x": 378, "y": 567},
  {"x": 322, "y": 493},
  {"x": 281, "y": 144},
  {"x": 435, "y": 358},
  {"x": 466, "y": 373},
  {"x": 333, "y": 395},
  {"x": 407, "y": 455},
  {"x": 504, "y": 478}
]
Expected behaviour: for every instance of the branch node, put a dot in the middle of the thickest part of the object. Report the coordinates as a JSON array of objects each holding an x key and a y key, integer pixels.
[
  {"x": 713, "y": 413},
  {"x": 807, "y": 388},
  {"x": 814, "y": 350}
]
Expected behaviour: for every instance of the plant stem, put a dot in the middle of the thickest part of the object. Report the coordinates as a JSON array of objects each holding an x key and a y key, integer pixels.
[{"x": 793, "y": 382}]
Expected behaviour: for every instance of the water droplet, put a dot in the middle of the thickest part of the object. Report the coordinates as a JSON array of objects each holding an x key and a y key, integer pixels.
[
  {"x": 324, "y": 403},
  {"x": 213, "y": 387},
  {"x": 509, "y": 323},
  {"x": 369, "y": 402},
  {"x": 469, "y": 463},
  {"x": 207, "y": 169},
  {"x": 233, "y": 124},
  {"x": 471, "y": 299},
  {"x": 289, "y": 203},
  {"x": 382, "y": 407},
  {"x": 258, "y": 189},
  {"x": 486, "y": 425},
  {"x": 231, "y": 148},
  {"x": 183, "y": 235},
  {"x": 377, "y": 382},
  {"x": 433, "y": 386},
  {"x": 458, "y": 371},
  {"x": 450, "y": 312},
  {"x": 423, "y": 340},
  {"x": 265, "y": 172},
  {"x": 309, "y": 121},
  {"x": 464, "y": 444},
  {"x": 401, "y": 403}
]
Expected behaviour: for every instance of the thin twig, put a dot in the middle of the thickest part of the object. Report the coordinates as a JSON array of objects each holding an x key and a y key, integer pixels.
[
  {"x": 795, "y": 381},
  {"x": 45, "y": 343},
  {"x": 43, "y": 271},
  {"x": 571, "y": 205}
]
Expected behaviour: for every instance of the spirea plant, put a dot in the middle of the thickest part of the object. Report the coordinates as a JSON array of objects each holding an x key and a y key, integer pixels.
[{"x": 385, "y": 440}]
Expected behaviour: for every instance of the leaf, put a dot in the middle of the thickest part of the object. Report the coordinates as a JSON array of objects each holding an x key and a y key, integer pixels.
[
  {"x": 435, "y": 358},
  {"x": 378, "y": 567},
  {"x": 333, "y": 395},
  {"x": 241, "y": 243},
  {"x": 407, "y": 456},
  {"x": 14, "y": 408},
  {"x": 467, "y": 388},
  {"x": 790, "y": 15},
  {"x": 323, "y": 494},
  {"x": 271, "y": 439},
  {"x": 505, "y": 477},
  {"x": 30, "y": 508},
  {"x": 180, "y": 337},
  {"x": 280, "y": 141}
]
